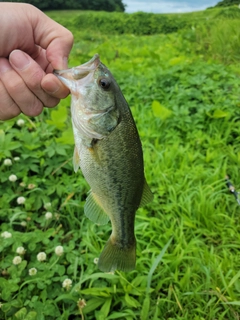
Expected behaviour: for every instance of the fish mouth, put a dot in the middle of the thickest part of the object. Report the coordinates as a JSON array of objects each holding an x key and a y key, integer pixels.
[{"x": 81, "y": 74}]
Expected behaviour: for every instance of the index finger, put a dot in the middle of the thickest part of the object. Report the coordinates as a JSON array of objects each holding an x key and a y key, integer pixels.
[{"x": 53, "y": 37}]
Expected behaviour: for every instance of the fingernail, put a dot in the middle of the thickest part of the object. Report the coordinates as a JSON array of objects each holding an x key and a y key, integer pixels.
[
  {"x": 65, "y": 62},
  {"x": 60, "y": 64},
  {"x": 19, "y": 59}
]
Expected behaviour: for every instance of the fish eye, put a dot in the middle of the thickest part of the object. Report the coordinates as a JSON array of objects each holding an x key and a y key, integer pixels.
[{"x": 104, "y": 83}]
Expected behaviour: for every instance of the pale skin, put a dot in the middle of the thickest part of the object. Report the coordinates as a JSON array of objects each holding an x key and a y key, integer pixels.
[{"x": 31, "y": 47}]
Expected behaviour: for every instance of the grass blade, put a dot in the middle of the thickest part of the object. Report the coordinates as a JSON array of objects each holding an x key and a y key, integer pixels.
[{"x": 155, "y": 264}]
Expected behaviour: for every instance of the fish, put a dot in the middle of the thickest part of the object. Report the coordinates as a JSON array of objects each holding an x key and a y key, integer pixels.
[{"x": 109, "y": 153}]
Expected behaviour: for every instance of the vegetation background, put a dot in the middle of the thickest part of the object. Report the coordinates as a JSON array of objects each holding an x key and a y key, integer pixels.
[{"x": 180, "y": 75}]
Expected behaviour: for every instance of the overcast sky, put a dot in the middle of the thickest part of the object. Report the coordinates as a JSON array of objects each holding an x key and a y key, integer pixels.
[{"x": 165, "y": 6}]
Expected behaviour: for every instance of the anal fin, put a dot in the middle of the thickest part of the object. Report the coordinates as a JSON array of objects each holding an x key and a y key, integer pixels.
[
  {"x": 147, "y": 195},
  {"x": 94, "y": 211}
]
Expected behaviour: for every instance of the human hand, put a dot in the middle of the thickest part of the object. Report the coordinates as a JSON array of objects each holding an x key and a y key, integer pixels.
[{"x": 31, "y": 46}]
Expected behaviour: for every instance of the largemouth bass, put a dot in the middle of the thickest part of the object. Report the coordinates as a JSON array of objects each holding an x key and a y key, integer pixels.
[{"x": 108, "y": 150}]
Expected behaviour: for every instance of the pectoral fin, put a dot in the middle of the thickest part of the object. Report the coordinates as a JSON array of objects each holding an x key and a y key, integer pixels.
[
  {"x": 147, "y": 195},
  {"x": 76, "y": 159},
  {"x": 94, "y": 211}
]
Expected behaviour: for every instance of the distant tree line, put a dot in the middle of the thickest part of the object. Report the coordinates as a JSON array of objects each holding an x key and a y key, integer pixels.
[
  {"x": 97, "y": 5},
  {"x": 227, "y": 3}
]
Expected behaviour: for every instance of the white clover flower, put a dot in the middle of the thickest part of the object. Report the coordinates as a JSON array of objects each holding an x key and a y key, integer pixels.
[
  {"x": 6, "y": 234},
  {"x": 81, "y": 303},
  {"x": 12, "y": 178},
  {"x": 21, "y": 200},
  {"x": 57, "y": 216},
  {"x": 41, "y": 256},
  {"x": 32, "y": 271},
  {"x": 48, "y": 215},
  {"x": 1, "y": 304},
  {"x": 96, "y": 260},
  {"x": 47, "y": 205},
  {"x": 22, "y": 184},
  {"x": 31, "y": 186},
  {"x": 7, "y": 162},
  {"x": 59, "y": 250},
  {"x": 23, "y": 223},
  {"x": 20, "y": 250},
  {"x": 20, "y": 122},
  {"x": 16, "y": 158},
  {"x": 67, "y": 283},
  {"x": 17, "y": 260}
]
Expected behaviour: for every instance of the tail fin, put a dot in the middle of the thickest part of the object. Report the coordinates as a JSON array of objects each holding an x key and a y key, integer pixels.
[{"x": 115, "y": 257}]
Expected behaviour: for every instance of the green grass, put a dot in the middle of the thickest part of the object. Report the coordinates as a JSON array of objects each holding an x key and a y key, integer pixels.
[
  {"x": 186, "y": 107},
  {"x": 213, "y": 33}
]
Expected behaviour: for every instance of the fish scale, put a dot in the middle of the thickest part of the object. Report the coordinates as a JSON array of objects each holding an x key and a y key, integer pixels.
[{"x": 112, "y": 173}]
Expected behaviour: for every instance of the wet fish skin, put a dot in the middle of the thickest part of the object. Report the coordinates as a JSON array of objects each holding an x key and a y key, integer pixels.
[{"x": 109, "y": 152}]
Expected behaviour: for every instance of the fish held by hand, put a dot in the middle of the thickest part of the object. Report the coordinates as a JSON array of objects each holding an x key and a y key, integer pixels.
[{"x": 109, "y": 152}]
